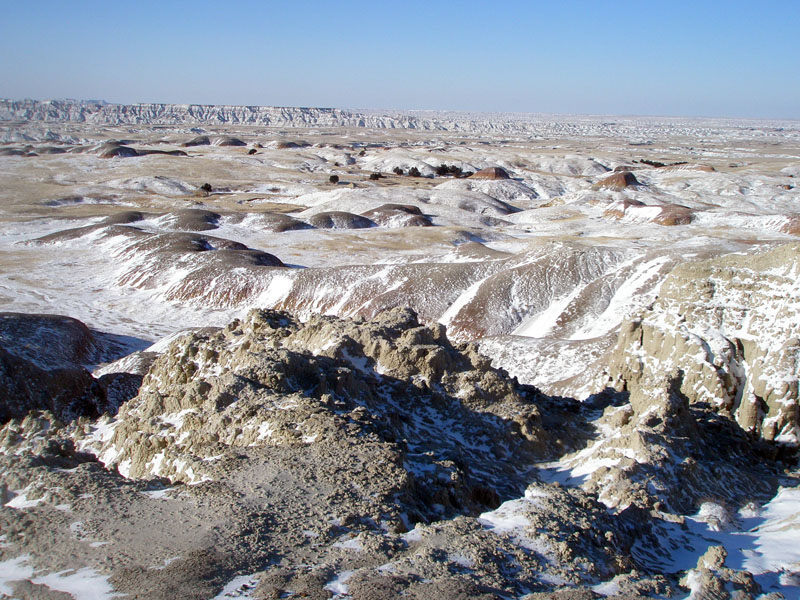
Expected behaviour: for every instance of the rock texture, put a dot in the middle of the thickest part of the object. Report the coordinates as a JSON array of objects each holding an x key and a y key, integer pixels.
[
  {"x": 367, "y": 459},
  {"x": 730, "y": 325}
]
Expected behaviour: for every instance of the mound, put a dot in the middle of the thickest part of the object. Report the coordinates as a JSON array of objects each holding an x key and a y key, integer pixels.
[
  {"x": 503, "y": 190},
  {"x": 164, "y": 152},
  {"x": 674, "y": 214},
  {"x": 397, "y": 215},
  {"x": 123, "y": 218},
  {"x": 227, "y": 140},
  {"x": 165, "y": 186},
  {"x": 191, "y": 219},
  {"x": 276, "y": 222},
  {"x": 568, "y": 165},
  {"x": 291, "y": 145},
  {"x": 118, "y": 151},
  {"x": 51, "y": 150},
  {"x": 491, "y": 173},
  {"x": 398, "y": 159},
  {"x": 49, "y": 341},
  {"x": 42, "y": 360},
  {"x": 200, "y": 140},
  {"x": 617, "y": 181},
  {"x": 67, "y": 392},
  {"x": 339, "y": 220},
  {"x": 474, "y": 202}
]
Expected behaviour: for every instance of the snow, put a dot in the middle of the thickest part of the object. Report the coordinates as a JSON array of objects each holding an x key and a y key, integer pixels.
[
  {"x": 542, "y": 323},
  {"x": 82, "y": 584},
  {"x": 21, "y": 502},
  {"x": 15, "y": 569},
  {"x": 509, "y": 520},
  {"x": 350, "y": 544},
  {"x": 242, "y": 586},
  {"x": 338, "y": 585}
]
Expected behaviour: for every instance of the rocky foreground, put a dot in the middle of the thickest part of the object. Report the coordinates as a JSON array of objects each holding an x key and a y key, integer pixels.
[{"x": 370, "y": 459}]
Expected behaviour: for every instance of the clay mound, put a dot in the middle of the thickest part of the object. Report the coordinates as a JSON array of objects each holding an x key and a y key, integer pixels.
[
  {"x": 68, "y": 392},
  {"x": 51, "y": 150},
  {"x": 124, "y": 218},
  {"x": 50, "y": 341},
  {"x": 491, "y": 173},
  {"x": 209, "y": 266},
  {"x": 41, "y": 368},
  {"x": 617, "y": 181},
  {"x": 118, "y": 151},
  {"x": 475, "y": 251},
  {"x": 634, "y": 210},
  {"x": 292, "y": 145},
  {"x": 278, "y": 222},
  {"x": 192, "y": 219},
  {"x": 619, "y": 209},
  {"x": 227, "y": 140},
  {"x": 200, "y": 140},
  {"x": 475, "y": 202},
  {"x": 339, "y": 220},
  {"x": 674, "y": 214},
  {"x": 398, "y": 215},
  {"x": 165, "y": 152}
]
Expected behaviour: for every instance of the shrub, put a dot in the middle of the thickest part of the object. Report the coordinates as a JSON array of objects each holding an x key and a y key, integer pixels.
[
  {"x": 374, "y": 176},
  {"x": 445, "y": 170},
  {"x": 252, "y": 151},
  {"x": 206, "y": 187},
  {"x": 414, "y": 172},
  {"x": 398, "y": 171},
  {"x": 333, "y": 179}
]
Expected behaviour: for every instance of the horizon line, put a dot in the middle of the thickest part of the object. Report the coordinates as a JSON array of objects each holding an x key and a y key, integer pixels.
[{"x": 101, "y": 102}]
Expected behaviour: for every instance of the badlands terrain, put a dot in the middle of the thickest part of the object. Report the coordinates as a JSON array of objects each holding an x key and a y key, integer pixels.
[{"x": 256, "y": 352}]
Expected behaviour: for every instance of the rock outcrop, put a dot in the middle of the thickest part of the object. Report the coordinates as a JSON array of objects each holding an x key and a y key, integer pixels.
[
  {"x": 731, "y": 326},
  {"x": 269, "y": 381}
]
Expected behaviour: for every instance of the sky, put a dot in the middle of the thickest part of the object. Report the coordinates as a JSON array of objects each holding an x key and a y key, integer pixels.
[{"x": 670, "y": 57}]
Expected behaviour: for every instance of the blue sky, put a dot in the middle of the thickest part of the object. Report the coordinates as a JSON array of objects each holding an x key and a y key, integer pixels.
[{"x": 669, "y": 57}]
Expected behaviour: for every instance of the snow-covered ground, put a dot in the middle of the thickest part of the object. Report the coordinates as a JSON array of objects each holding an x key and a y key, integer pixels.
[{"x": 540, "y": 269}]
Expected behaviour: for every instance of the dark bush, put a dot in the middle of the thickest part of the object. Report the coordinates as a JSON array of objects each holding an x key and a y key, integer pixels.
[
  {"x": 333, "y": 179},
  {"x": 252, "y": 151},
  {"x": 375, "y": 176},
  {"x": 206, "y": 187},
  {"x": 414, "y": 172},
  {"x": 398, "y": 171},
  {"x": 652, "y": 163},
  {"x": 445, "y": 170}
]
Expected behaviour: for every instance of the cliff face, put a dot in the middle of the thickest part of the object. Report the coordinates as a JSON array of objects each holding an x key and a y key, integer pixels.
[
  {"x": 176, "y": 114},
  {"x": 731, "y": 326},
  {"x": 652, "y": 128}
]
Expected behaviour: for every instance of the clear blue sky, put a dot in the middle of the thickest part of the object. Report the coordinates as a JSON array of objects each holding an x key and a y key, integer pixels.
[{"x": 667, "y": 57}]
